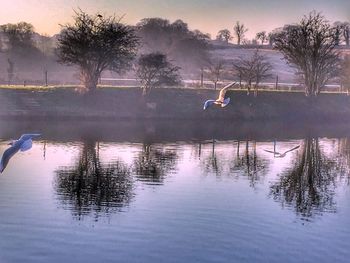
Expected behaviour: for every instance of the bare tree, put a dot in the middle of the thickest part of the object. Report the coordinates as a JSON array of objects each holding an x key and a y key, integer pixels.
[
  {"x": 254, "y": 69},
  {"x": 239, "y": 30},
  {"x": 155, "y": 70},
  {"x": 344, "y": 30},
  {"x": 309, "y": 46},
  {"x": 262, "y": 36},
  {"x": 224, "y": 35},
  {"x": 94, "y": 44},
  {"x": 272, "y": 35},
  {"x": 216, "y": 69},
  {"x": 345, "y": 27}
]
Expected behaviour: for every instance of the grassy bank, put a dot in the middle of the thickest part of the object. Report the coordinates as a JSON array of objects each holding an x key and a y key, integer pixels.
[{"x": 169, "y": 103}]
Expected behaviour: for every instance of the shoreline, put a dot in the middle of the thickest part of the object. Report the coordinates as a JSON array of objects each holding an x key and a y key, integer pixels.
[{"x": 169, "y": 104}]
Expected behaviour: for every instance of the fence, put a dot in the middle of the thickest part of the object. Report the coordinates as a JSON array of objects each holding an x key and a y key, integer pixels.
[{"x": 52, "y": 78}]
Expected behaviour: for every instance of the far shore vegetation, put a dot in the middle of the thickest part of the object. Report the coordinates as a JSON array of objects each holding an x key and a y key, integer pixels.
[{"x": 157, "y": 53}]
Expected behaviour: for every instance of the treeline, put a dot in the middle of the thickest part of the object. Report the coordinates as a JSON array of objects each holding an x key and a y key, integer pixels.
[
  {"x": 239, "y": 30},
  {"x": 157, "y": 52},
  {"x": 23, "y": 49}
]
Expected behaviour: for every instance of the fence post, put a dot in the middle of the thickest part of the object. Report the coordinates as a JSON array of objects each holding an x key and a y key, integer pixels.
[
  {"x": 276, "y": 86},
  {"x": 45, "y": 76},
  {"x": 202, "y": 77},
  {"x": 240, "y": 81}
]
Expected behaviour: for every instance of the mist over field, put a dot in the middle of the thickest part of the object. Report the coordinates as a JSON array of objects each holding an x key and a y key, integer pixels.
[{"x": 33, "y": 58}]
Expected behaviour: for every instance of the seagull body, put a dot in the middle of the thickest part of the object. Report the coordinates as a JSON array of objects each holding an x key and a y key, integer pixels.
[
  {"x": 221, "y": 99},
  {"x": 282, "y": 155},
  {"x": 24, "y": 143}
]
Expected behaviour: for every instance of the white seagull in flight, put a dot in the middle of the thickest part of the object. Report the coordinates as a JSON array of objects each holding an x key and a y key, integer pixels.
[
  {"x": 221, "y": 99},
  {"x": 24, "y": 143}
]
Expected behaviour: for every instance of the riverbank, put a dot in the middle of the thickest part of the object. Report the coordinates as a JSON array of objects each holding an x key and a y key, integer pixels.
[{"x": 109, "y": 103}]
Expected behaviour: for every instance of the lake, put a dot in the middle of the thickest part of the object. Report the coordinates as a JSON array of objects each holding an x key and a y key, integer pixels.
[{"x": 176, "y": 192}]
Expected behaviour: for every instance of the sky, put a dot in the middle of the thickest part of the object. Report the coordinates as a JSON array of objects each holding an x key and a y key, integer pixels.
[{"x": 208, "y": 16}]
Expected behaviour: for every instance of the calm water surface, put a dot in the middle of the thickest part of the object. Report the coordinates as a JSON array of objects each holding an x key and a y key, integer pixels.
[{"x": 156, "y": 193}]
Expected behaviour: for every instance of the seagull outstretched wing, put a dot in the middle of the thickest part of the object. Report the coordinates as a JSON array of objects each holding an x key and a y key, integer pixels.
[
  {"x": 223, "y": 91},
  {"x": 7, "y": 155},
  {"x": 28, "y": 136}
]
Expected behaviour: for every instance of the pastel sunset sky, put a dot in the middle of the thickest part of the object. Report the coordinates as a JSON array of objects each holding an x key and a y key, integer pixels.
[{"x": 206, "y": 15}]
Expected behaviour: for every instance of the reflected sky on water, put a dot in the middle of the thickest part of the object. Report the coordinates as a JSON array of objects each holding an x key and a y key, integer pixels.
[{"x": 141, "y": 195}]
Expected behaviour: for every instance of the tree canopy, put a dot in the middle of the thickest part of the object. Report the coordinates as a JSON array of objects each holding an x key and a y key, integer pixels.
[
  {"x": 309, "y": 46},
  {"x": 154, "y": 70},
  {"x": 96, "y": 43}
]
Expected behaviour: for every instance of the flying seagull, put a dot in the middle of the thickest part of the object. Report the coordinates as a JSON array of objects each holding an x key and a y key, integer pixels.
[
  {"x": 24, "y": 143},
  {"x": 221, "y": 99},
  {"x": 281, "y": 155}
]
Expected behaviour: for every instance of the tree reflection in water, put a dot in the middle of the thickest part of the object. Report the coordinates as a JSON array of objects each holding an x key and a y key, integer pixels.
[
  {"x": 153, "y": 163},
  {"x": 212, "y": 163},
  {"x": 343, "y": 158},
  {"x": 249, "y": 163},
  {"x": 92, "y": 187},
  {"x": 309, "y": 186}
]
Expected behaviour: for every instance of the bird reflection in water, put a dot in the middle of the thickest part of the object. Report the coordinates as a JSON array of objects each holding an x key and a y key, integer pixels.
[
  {"x": 281, "y": 154},
  {"x": 24, "y": 143},
  {"x": 309, "y": 186}
]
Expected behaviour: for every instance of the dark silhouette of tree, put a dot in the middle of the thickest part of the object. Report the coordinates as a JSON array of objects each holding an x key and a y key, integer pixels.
[
  {"x": 262, "y": 36},
  {"x": 20, "y": 45},
  {"x": 254, "y": 69},
  {"x": 345, "y": 27},
  {"x": 215, "y": 71},
  {"x": 309, "y": 46},
  {"x": 224, "y": 35},
  {"x": 94, "y": 44},
  {"x": 91, "y": 187},
  {"x": 308, "y": 187},
  {"x": 341, "y": 32},
  {"x": 155, "y": 70},
  {"x": 239, "y": 30},
  {"x": 154, "y": 163},
  {"x": 19, "y": 35},
  {"x": 272, "y": 35},
  {"x": 186, "y": 48}
]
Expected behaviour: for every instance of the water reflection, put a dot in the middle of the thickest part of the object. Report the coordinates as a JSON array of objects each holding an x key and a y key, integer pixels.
[
  {"x": 309, "y": 185},
  {"x": 153, "y": 163},
  {"x": 212, "y": 163},
  {"x": 343, "y": 158},
  {"x": 90, "y": 186},
  {"x": 249, "y": 163}
]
